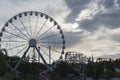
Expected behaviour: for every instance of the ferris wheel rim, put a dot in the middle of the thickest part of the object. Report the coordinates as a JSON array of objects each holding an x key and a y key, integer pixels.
[{"x": 30, "y": 14}]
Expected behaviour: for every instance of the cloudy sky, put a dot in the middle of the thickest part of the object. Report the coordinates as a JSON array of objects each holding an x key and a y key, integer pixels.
[{"x": 90, "y": 26}]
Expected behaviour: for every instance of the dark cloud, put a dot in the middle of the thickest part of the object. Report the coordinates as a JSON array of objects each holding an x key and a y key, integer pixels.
[
  {"x": 89, "y": 25},
  {"x": 108, "y": 3},
  {"x": 73, "y": 38},
  {"x": 109, "y": 20},
  {"x": 76, "y": 6},
  {"x": 118, "y": 3},
  {"x": 109, "y": 17}
]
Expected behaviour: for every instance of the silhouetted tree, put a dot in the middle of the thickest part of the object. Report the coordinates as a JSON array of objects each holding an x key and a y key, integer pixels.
[
  {"x": 90, "y": 69},
  {"x": 62, "y": 69},
  {"x": 3, "y": 67}
]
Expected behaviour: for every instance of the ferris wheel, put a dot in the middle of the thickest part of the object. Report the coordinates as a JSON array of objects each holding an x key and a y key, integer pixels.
[{"x": 33, "y": 37}]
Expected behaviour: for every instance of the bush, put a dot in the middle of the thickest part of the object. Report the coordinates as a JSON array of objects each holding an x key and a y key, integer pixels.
[{"x": 108, "y": 74}]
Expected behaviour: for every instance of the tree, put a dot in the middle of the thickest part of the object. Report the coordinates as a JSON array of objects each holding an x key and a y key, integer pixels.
[
  {"x": 89, "y": 70},
  {"x": 108, "y": 74},
  {"x": 3, "y": 67},
  {"x": 62, "y": 69}
]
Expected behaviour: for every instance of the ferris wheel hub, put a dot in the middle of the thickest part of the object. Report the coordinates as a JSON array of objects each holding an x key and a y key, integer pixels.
[{"x": 32, "y": 42}]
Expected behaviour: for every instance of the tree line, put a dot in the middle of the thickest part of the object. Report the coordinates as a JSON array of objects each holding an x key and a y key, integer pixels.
[{"x": 96, "y": 70}]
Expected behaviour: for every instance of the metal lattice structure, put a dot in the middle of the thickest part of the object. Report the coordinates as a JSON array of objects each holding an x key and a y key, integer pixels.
[
  {"x": 75, "y": 57},
  {"x": 103, "y": 59},
  {"x": 34, "y": 37}
]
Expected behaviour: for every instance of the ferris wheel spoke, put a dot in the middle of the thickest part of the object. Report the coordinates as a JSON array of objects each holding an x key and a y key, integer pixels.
[
  {"x": 6, "y": 45},
  {"x": 48, "y": 36},
  {"x": 48, "y": 48},
  {"x": 46, "y": 53},
  {"x": 17, "y": 46},
  {"x": 30, "y": 26},
  {"x": 45, "y": 32},
  {"x": 21, "y": 50},
  {"x": 52, "y": 42},
  {"x": 12, "y": 41},
  {"x": 15, "y": 35},
  {"x": 41, "y": 27},
  {"x": 36, "y": 25},
  {"x": 19, "y": 30},
  {"x": 16, "y": 66},
  {"x": 24, "y": 27}
]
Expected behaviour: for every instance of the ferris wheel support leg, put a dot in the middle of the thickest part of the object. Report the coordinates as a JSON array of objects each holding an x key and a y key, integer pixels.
[
  {"x": 47, "y": 66},
  {"x": 15, "y": 68}
]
